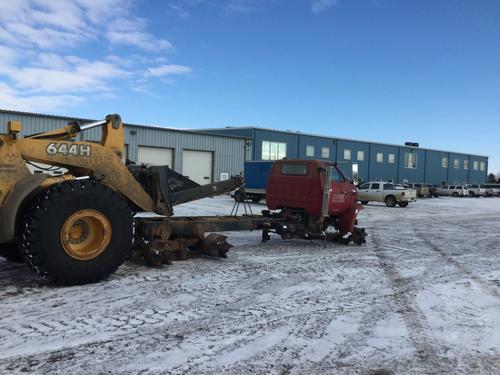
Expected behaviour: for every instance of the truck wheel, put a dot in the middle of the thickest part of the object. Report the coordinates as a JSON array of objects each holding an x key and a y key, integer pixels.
[
  {"x": 239, "y": 196},
  {"x": 455, "y": 194},
  {"x": 256, "y": 198},
  {"x": 403, "y": 204},
  {"x": 11, "y": 252},
  {"x": 364, "y": 202},
  {"x": 78, "y": 232},
  {"x": 390, "y": 201},
  {"x": 472, "y": 194}
]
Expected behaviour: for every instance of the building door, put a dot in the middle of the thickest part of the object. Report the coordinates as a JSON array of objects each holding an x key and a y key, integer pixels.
[
  {"x": 355, "y": 172},
  {"x": 155, "y": 156},
  {"x": 198, "y": 166}
]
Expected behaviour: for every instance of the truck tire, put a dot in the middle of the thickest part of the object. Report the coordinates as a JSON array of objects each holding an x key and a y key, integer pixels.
[
  {"x": 390, "y": 201},
  {"x": 256, "y": 198},
  {"x": 472, "y": 194},
  {"x": 239, "y": 196},
  {"x": 403, "y": 204},
  {"x": 78, "y": 232},
  {"x": 455, "y": 194},
  {"x": 11, "y": 252},
  {"x": 364, "y": 203}
]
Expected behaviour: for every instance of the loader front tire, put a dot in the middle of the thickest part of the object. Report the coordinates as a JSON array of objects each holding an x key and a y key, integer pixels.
[{"x": 77, "y": 232}]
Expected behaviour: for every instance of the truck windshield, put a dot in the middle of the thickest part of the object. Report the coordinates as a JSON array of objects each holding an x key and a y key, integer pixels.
[
  {"x": 294, "y": 169},
  {"x": 336, "y": 176}
]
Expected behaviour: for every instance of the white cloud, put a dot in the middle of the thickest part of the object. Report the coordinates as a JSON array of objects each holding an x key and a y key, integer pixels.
[
  {"x": 35, "y": 74},
  {"x": 10, "y": 98},
  {"x": 50, "y": 24},
  {"x": 168, "y": 70},
  {"x": 87, "y": 76},
  {"x": 138, "y": 39},
  {"x": 319, "y": 6}
]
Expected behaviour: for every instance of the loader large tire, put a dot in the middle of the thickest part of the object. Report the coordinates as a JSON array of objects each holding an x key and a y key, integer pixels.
[
  {"x": 11, "y": 252},
  {"x": 78, "y": 232}
]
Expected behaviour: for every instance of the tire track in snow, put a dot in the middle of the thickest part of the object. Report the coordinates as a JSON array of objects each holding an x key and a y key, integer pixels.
[
  {"x": 415, "y": 320},
  {"x": 488, "y": 287}
]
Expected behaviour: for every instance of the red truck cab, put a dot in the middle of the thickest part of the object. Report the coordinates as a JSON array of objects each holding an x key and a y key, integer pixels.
[{"x": 317, "y": 188}]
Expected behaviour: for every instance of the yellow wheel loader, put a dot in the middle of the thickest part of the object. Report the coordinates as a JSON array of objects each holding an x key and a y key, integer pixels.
[{"x": 78, "y": 227}]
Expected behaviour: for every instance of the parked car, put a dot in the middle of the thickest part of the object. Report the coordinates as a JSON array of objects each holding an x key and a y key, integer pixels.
[
  {"x": 475, "y": 190},
  {"x": 433, "y": 190},
  {"x": 492, "y": 190},
  {"x": 380, "y": 191},
  {"x": 454, "y": 191},
  {"x": 422, "y": 189}
]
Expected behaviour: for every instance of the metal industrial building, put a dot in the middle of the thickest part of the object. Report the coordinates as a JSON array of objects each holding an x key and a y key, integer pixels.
[
  {"x": 203, "y": 157},
  {"x": 208, "y": 155},
  {"x": 364, "y": 160}
]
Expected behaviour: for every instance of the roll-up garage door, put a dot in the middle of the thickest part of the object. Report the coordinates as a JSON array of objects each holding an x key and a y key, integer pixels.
[
  {"x": 198, "y": 166},
  {"x": 155, "y": 156}
]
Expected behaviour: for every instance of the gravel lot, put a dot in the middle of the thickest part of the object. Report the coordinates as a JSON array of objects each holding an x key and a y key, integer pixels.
[{"x": 423, "y": 296}]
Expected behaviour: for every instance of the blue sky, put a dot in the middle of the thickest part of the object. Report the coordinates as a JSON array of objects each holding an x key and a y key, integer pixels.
[{"x": 389, "y": 71}]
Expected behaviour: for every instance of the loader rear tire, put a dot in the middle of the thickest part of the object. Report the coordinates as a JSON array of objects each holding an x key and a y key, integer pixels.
[
  {"x": 78, "y": 232},
  {"x": 11, "y": 252}
]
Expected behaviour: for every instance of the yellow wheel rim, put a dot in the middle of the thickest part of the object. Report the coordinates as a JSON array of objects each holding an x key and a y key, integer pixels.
[{"x": 86, "y": 234}]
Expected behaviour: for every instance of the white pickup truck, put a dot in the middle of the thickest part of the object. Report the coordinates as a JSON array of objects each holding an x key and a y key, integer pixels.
[{"x": 379, "y": 191}]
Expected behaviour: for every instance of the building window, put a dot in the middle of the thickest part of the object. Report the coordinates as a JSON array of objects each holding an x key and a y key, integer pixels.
[
  {"x": 444, "y": 162},
  {"x": 475, "y": 165},
  {"x": 483, "y": 166},
  {"x": 456, "y": 163},
  {"x": 273, "y": 150},
  {"x": 325, "y": 152},
  {"x": 466, "y": 164},
  {"x": 347, "y": 154},
  {"x": 410, "y": 160},
  {"x": 391, "y": 159},
  {"x": 310, "y": 151},
  {"x": 361, "y": 156},
  {"x": 380, "y": 157}
]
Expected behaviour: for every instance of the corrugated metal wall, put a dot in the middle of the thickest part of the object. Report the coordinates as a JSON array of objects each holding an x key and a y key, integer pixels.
[
  {"x": 428, "y": 169},
  {"x": 229, "y": 153}
]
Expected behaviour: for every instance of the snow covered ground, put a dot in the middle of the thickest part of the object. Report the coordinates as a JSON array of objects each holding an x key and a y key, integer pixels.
[{"x": 423, "y": 296}]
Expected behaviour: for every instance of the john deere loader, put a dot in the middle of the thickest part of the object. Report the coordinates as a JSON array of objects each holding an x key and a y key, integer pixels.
[{"x": 78, "y": 227}]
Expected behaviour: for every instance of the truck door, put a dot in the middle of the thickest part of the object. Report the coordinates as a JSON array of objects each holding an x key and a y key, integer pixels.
[
  {"x": 341, "y": 192},
  {"x": 363, "y": 191},
  {"x": 375, "y": 192}
]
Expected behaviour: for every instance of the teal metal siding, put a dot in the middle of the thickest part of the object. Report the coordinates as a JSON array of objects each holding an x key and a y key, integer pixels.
[
  {"x": 354, "y": 147},
  {"x": 477, "y": 176},
  {"x": 457, "y": 175},
  {"x": 434, "y": 172},
  {"x": 318, "y": 143},
  {"x": 416, "y": 175},
  {"x": 384, "y": 171},
  {"x": 291, "y": 140}
]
